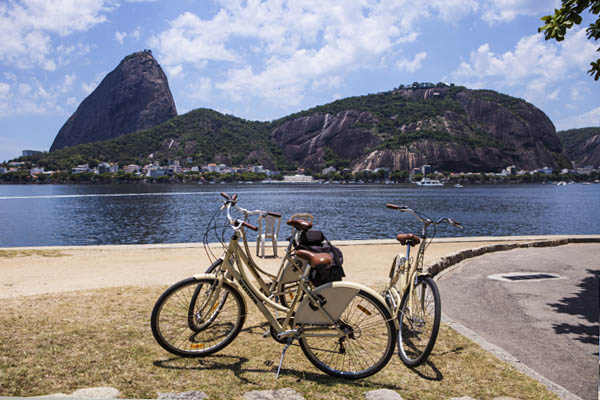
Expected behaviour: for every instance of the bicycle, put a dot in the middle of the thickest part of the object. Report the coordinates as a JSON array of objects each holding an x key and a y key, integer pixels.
[
  {"x": 283, "y": 284},
  {"x": 413, "y": 295},
  {"x": 344, "y": 329}
]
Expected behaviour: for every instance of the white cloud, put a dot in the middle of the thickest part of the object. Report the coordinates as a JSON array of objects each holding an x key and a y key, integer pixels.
[
  {"x": 590, "y": 118},
  {"x": 412, "y": 65},
  {"x": 32, "y": 97},
  {"x": 175, "y": 71},
  {"x": 498, "y": 11},
  {"x": 119, "y": 36},
  {"x": 200, "y": 90},
  {"x": 535, "y": 65},
  {"x": 136, "y": 33},
  {"x": 27, "y": 28},
  {"x": 275, "y": 49}
]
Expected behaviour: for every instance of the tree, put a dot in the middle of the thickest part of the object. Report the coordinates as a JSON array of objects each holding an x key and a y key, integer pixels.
[{"x": 556, "y": 25}]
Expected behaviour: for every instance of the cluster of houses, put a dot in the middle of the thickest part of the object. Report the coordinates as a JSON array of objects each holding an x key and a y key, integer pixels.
[{"x": 154, "y": 170}]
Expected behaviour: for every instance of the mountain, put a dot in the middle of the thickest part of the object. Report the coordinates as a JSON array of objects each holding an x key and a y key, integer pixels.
[
  {"x": 134, "y": 96},
  {"x": 449, "y": 127},
  {"x": 582, "y": 145}
]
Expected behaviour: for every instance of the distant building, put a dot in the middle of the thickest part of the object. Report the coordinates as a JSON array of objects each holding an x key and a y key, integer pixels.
[
  {"x": 105, "y": 167},
  {"x": 80, "y": 168},
  {"x": 37, "y": 171},
  {"x": 158, "y": 172},
  {"x": 27, "y": 153},
  {"x": 328, "y": 170},
  {"x": 297, "y": 178},
  {"x": 2, "y": 170},
  {"x": 426, "y": 169},
  {"x": 132, "y": 168},
  {"x": 545, "y": 170}
]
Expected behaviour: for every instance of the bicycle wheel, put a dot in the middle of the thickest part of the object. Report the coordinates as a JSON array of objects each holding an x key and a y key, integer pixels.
[
  {"x": 287, "y": 293},
  {"x": 365, "y": 347},
  {"x": 419, "y": 324},
  {"x": 196, "y": 320},
  {"x": 170, "y": 317}
]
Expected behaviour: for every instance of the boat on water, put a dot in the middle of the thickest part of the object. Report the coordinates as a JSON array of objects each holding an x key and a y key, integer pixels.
[
  {"x": 458, "y": 185},
  {"x": 429, "y": 182}
]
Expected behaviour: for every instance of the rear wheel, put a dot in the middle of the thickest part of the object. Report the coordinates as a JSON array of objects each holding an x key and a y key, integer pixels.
[
  {"x": 359, "y": 345},
  {"x": 170, "y": 322},
  {"x": 419, "y": 321}
]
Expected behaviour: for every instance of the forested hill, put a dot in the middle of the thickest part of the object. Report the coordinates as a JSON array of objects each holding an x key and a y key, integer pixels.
[
  {"x": 582, "y": 145},
  {"x": 450, "y": 127}
]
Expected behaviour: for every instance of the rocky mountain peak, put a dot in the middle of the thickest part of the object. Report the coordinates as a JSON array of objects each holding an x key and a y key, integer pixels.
[{"x": 134, "y": 96}]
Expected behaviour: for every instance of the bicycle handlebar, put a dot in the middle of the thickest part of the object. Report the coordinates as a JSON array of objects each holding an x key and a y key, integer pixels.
[{"x": 422, "y": 217}]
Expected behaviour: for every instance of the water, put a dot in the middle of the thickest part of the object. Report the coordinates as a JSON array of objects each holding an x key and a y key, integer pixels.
[{"x": 43, "y": 215}]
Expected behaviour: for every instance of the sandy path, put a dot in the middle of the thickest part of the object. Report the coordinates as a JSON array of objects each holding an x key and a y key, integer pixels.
[{"x": 33, "y": 271}]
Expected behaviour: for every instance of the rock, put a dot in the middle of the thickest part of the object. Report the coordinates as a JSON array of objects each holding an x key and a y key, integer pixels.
[
  {"x": 468, "y": 130},
  {"x": 462, "y": 398},
  {"x": 281, "y": 394},
  {"x": 134, "y": 96},
  {"x": 382, "y": 394},
  {"x": 192, "y": 395}
]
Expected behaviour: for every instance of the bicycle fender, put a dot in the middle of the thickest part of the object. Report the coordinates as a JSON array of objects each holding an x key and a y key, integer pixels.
[
  {"x": 232, "y": 284},
  {"x": 337, "y": 296}
]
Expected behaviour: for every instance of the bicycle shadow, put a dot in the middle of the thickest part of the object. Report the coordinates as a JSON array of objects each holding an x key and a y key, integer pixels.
[{"x": 235, "y": 364}]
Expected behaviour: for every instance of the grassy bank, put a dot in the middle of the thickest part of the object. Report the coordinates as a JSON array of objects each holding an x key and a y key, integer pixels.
[{"x": 60, "y": 343}]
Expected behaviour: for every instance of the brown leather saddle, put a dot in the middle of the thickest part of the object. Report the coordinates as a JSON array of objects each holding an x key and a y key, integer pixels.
[
  {"x": 316, "y": 260},
  {"x": 300, "y": 224},
  {"x": 408, "y": 238}
]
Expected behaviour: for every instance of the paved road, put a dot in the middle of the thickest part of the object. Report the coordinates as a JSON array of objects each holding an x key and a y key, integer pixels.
[{"x": 550, "y": 325}]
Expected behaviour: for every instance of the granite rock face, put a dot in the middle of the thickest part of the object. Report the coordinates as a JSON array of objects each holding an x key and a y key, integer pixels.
[
  {"x": 469, "y": 130},
  {"x": 134, "y": 96},
  {"x": 586, "y": 153}
]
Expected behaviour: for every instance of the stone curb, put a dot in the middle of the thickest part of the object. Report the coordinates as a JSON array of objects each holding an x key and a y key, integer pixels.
[{"x": 454, "y": 258}]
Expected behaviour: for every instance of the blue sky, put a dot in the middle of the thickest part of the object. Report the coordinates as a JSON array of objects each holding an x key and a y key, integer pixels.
[{"x": 261, "y": 60}]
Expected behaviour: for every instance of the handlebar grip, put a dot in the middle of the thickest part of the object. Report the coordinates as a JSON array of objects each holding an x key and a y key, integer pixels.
[
  {"x": 455, "y": 223},
  {"x": 392, "y": 206},
  {"x": 234, "y": 197},
  {"x": 225, "y": 195},
  {"x": 274, "y": 214},
  {"x": 249, "y": 226}
]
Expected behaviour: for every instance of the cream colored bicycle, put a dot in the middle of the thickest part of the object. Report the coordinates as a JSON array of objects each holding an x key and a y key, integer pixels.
[
  {"x": 413, "y": 295},
  {"x": 344, "y": 329}
]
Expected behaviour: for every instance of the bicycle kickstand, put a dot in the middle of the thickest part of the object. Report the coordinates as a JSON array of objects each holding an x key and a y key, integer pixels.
[{"x": 288, "y": 344}]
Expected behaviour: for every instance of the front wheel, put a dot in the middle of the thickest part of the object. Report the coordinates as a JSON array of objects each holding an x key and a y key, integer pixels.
[
  {"x": 359, "y": 345},
  {"x": 173, "y": 330},
  {"x": 419, "y": 319}
]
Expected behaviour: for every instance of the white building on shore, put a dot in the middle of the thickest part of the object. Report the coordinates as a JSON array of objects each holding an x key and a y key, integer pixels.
[{"x": 297, "y": 178}]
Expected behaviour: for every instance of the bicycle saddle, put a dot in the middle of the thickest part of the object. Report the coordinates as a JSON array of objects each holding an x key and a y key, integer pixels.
[
  {"x": 408, "y": 238},
  {"x": 315, "y": 259},
  {"x": 300, "y": 224}
]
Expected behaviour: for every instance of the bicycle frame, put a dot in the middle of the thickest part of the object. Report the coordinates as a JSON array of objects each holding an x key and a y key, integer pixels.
[{"x": 240, "y": 278}]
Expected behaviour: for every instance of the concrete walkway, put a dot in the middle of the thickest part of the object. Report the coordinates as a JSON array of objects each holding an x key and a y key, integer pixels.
[{"x": 549, "y": 324}]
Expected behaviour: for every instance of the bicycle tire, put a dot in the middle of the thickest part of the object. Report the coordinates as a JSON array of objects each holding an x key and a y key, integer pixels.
[
  {"x": 192, "y": 318},
  {"x": 170, "y": 325},
  {"x": 354, "y": 356},
  {"x": 418, "y": 329}
]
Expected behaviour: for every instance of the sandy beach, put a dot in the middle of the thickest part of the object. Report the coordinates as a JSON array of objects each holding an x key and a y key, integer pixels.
[{"x": 31, "y": 271}]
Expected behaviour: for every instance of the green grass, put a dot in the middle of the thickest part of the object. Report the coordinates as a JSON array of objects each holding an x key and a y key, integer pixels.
[{"x": 60, "y": 343}]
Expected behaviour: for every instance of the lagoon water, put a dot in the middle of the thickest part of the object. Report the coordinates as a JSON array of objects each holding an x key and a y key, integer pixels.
[{"x": 47, "y": 215}]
